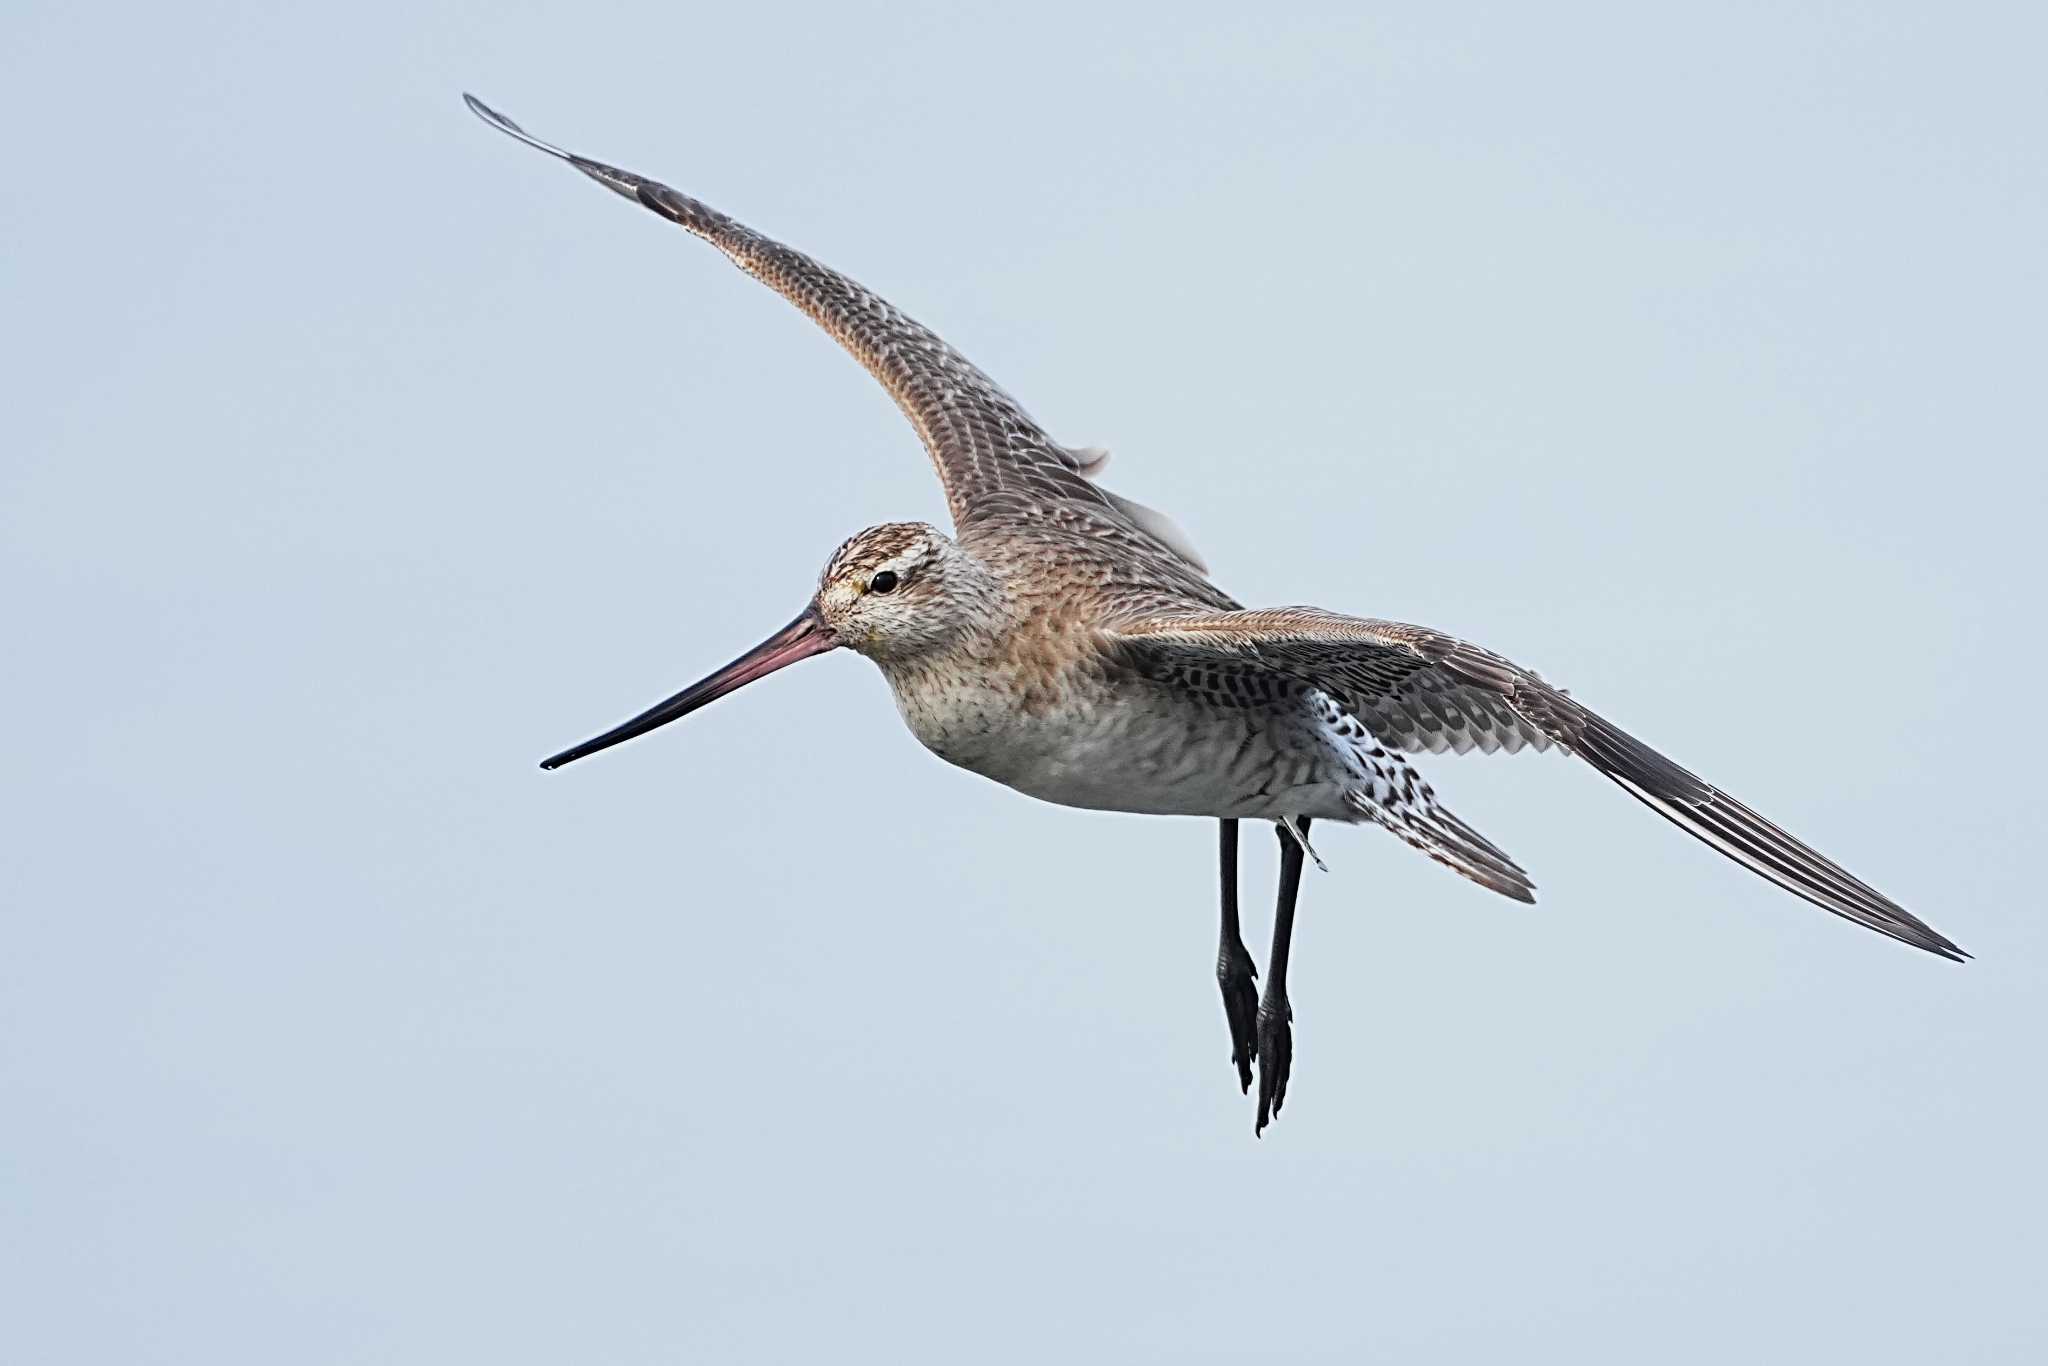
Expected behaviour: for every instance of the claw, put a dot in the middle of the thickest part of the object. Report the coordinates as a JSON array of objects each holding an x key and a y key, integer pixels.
[
  {"x": 1276, "y": 1059},
  {"x": 1237, "y": 975}
]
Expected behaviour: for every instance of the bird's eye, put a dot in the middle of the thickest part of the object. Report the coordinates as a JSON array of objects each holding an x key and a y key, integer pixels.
[{"x": 882, "y": 582}]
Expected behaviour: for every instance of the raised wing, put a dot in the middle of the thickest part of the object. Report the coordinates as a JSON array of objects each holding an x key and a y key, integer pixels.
[
  {"x": 992, "y": 458},
  {"x": 1418, "y": 689}
]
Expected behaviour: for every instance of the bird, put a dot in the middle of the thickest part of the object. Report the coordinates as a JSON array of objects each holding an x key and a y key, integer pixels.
[{"x": 1068, "y": 643}]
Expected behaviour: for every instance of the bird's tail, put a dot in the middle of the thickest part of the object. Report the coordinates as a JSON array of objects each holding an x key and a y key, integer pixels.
[{"x": 1412, "y": 814}]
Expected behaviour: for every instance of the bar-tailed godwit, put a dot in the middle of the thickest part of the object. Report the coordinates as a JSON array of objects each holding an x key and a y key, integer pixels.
[{"x": 1068, "y": 643}]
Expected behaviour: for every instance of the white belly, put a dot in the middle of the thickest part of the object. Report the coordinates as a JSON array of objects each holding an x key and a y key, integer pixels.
[{"x": 1149, "y": 752}]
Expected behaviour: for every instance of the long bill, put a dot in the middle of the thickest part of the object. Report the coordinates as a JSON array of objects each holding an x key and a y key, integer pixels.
[{"x": 806, "y": 636}]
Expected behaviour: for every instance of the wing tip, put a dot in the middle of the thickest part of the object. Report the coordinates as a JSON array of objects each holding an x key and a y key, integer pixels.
[
  {"x": 1927, "y": 939},
  {"x": 486, "y": 113},
  {"x": 1750, "y": 839},
  {"x": 513, "y": 130}
]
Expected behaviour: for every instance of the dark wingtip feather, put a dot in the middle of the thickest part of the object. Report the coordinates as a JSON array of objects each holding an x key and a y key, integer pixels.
[{"x": 1735, "y": 831}]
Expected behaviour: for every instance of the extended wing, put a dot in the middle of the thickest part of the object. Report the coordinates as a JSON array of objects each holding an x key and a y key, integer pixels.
[
  {"x": 1418, "y": 689},
  {"x": 993, "y": 459}
]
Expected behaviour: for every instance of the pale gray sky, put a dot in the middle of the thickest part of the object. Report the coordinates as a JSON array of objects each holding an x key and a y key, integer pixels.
[{"x": 357, "y": 458}]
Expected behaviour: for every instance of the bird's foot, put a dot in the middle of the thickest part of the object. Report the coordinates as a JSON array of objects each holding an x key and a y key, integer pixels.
[
  {"x": 1238, "y": 977},
  {"x": 1276, "y": 1057}
]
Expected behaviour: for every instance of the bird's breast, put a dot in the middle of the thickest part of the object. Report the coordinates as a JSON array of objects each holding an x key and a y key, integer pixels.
[{"x": 1113, "y": 744}]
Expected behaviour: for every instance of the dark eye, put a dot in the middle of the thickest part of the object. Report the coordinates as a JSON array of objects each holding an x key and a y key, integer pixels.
[{"x": 883, "y": 582}]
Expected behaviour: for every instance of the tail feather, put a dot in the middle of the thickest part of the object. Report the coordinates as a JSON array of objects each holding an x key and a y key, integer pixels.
[{"x": 1428, "y": 827}]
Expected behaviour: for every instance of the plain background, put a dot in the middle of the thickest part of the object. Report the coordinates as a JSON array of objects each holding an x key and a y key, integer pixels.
[{"x": 356, "y": 457}]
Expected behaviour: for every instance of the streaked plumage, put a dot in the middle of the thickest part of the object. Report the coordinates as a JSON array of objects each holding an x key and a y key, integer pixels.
[{"x": 1068, "y": 644}]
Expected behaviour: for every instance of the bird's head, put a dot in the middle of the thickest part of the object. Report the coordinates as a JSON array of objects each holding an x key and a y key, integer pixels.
[
  {"x": 898, "y": 590},
  {"x": 895, "y": 592}
]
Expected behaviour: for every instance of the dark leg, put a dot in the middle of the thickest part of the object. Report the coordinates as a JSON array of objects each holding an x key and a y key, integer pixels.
[
  {"x": 1235, "y": 971},
  {"x": 1276, "y": 1034}
]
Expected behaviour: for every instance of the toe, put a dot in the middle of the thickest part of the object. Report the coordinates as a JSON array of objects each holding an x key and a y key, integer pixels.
[{"x": 1276, "y": 1059}]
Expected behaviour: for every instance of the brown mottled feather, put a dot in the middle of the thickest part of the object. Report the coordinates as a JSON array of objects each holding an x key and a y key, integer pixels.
[
  {"x": 1418, "y": 689},
  {"x": 1107, "y": 584},
  {"x": 999, "y": 468}
]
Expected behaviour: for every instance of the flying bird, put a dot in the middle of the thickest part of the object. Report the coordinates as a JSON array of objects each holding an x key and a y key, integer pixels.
[{"x": 1068, "y": 643}]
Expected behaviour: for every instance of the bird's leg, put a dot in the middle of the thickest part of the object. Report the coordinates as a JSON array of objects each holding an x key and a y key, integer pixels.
[
  {"x": 1236, "y": 974},
  {"x": 1276, "y": 1033}
]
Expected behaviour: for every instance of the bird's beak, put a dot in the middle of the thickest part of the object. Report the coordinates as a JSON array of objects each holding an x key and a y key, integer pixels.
[{"x": 806, "y": 636}]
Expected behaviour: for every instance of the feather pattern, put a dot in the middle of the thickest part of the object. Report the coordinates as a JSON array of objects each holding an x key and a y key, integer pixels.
[
  {"x": 1093, "y": 663},
  {"x": 996, "y": 463},
  {"x": 1419, "y": 689}
]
